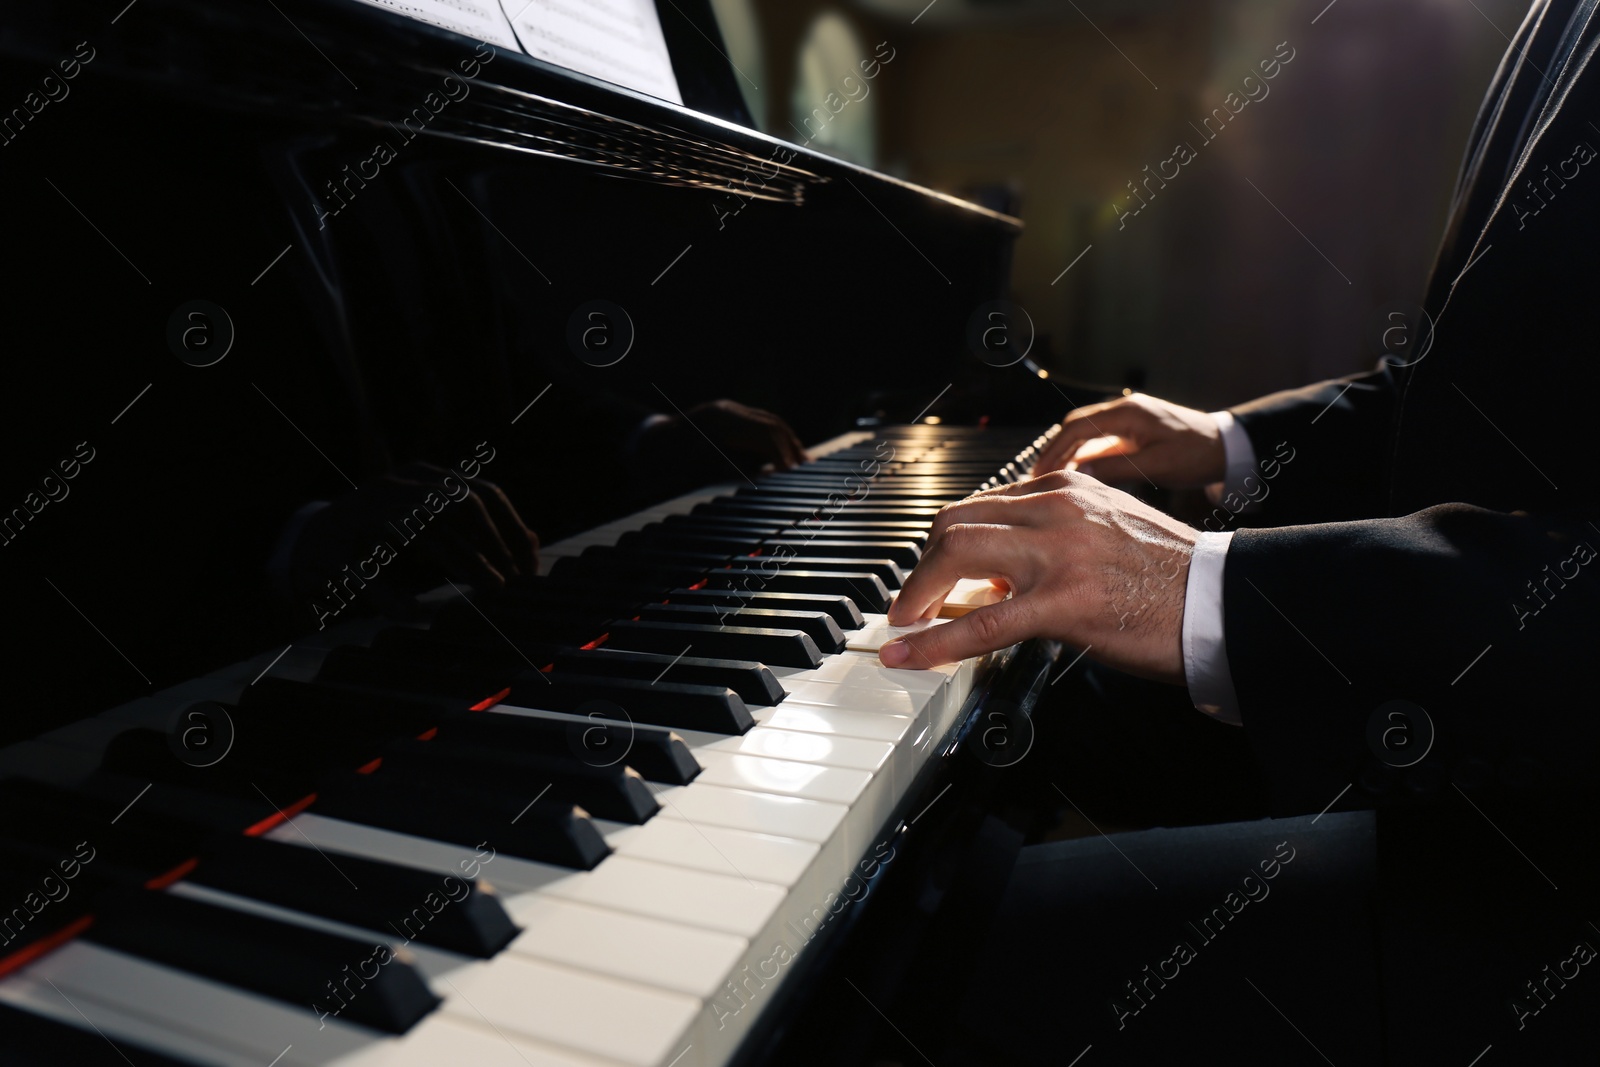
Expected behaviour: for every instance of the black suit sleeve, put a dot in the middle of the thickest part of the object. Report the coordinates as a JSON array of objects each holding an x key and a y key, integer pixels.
[
  {"x": 1337, "y": 433},
  {"x": 1483, "y": 619}
]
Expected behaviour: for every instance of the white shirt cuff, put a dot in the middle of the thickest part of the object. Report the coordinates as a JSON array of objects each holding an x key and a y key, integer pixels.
[
  {"x": 1239, "y": 459},
  {"x": 1205, "y": 652}
]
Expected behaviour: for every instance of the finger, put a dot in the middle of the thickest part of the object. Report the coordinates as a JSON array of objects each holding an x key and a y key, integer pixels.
[
  {"x": 1115, "y": 419},
  {"x": 785, "y": 448},
  {"x": 963, "y": 551},
  {"x": 1044, "y": 483},
  {"x": 1113, "y": 469},
  {"x": 997, "y": 510},
  {"x": 795, "y": 448},
  {"x": 522, "y": 542},
  {"x": 420, "y": 471},
  {"x": 974, "y": 634},
  {"x": 470, "y": 518},
  {"x": 460, "y": 563},
  {"x": 1098, "y": 447}
]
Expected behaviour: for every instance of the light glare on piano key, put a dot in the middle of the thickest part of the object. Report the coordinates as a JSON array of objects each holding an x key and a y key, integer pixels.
[{"x": 877, "y": 632}]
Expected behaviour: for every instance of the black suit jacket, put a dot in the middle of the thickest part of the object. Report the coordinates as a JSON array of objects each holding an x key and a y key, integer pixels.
[{"x": 1445, "y": 513}]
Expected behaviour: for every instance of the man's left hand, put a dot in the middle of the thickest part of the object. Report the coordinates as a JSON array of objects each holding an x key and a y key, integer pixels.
[{"x": 1086, "y": 564}]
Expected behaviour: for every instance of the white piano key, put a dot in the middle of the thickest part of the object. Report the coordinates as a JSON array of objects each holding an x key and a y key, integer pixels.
[
  {"x": 573, "y": 1009},
  {"x": 823, "y": 735},
  {"x": 852, "y": 712},
  {"x": 809, "y": 747},
  {"x": 869, "y": 809},
  {"x": 839, "y": 721},
  {"x": 779, "y": 861},
  {"x": 740, "y": 809},
  {"x": 877, "y": 632},
  {"x": 862, "y": 670},
  {"x": 441, "y": 1040},
  {"x": 728, "y": 903},
  {"x": 171, "y": 1010},
  {"x": 785, "y": 737},
  {"x": 647, "y": 951},
  {"x": 839, "y": 785}
]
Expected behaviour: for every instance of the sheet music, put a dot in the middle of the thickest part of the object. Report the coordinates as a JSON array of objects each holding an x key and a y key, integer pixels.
[
  {"x": 619, "y": 41},
  {"x": 479, "y": 19}
]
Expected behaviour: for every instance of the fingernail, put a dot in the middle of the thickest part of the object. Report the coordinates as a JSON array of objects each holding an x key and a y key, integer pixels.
[{"x": 894, "y": 653}]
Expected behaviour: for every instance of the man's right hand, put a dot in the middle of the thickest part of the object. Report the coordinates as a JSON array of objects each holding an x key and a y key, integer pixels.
[{"x": 1174, "y": 447}]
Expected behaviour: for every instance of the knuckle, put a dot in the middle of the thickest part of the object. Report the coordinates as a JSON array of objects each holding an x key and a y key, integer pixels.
[
  {"x": 1067, "y": 499},
  {"x": 986, "y": 626},
  {"x": 963, "y": 538},
  {"x": 1054, "y": 478}
]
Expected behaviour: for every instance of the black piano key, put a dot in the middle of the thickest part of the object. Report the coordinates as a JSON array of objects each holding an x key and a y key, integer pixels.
[
  {"x": 780, "y": 647},
  {"x": 579, "y": 571},
  {"x": 430, "y": 646},
  {"x": 507, "y": 622},
  {"x": 35, "y": 1041},
  {"x": 133, "y": 849},
  {"x": 327, "y": 712},
  {"x": 599, "y": 601},
  {"x": 857, "y": 513},
  {"x": 886, "y": 570},
  {"x": 446, "y": 911},
  {"x": 354, "y": 665},
  {"x": 835, "y": 503},
  {"x": 388, "y": 717},
  {"x": 616, "y": 792},
  {"x": 544, "y": 830},
  {"x": 687, "y": 707},
  {"x": 689, "y": 540},
  {"x": 904, "y": 553},
  {"x": 754, "y": 683},
  {"x": 755, "y": 527},
  {"x": 137, "y": 797},
  {"x": 821, "y": 628},
  {"x": 841, "y": 609},
  {"x": 356, "y": 981},
  {"x": 888, "y": 489},
  {"x": 742, "y": 526},
  {"x": 145, "y": 843},
  {"x": 600, "y": 738},
  {"x": 909, "y": 530},
  {"x": 672, "y": 556},
  {"x": 867, "y": 590},
  {"x": 276, "y": 761},
  {"x": 41, "y": 902}
]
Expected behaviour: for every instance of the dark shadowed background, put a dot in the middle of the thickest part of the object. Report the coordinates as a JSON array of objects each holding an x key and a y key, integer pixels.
[{"x": 1263, "y": 264}]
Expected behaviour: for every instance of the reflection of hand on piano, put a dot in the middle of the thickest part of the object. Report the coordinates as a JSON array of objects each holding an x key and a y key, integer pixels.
[
  {"x": 465, "y": 530},
  {"x": 675, "y": 448},
  {"x": 1087, "y": 564}
]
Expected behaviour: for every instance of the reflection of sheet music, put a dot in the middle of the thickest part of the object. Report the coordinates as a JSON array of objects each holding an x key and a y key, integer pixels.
[
  {"x": 619, "y": 41},
  {"x": 479, "y": 19}
]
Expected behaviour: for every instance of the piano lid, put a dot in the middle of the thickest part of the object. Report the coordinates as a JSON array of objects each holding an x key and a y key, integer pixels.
[{"x": 344, "y": 64}]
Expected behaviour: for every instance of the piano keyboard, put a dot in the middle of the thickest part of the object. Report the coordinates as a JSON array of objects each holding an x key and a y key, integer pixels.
[{"x": 593, "y": 820}]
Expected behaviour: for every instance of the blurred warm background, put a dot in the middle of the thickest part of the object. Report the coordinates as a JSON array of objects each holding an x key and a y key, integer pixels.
[{"x": 1049, "y": 108}]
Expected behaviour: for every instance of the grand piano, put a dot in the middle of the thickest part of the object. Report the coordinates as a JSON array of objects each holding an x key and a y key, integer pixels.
[{"x": 658, "y": 806}]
